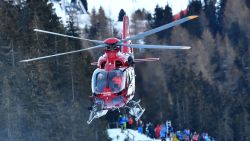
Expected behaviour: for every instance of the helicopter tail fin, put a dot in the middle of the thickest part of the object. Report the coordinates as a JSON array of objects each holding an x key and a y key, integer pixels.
[{"x": 125, "y": 34}]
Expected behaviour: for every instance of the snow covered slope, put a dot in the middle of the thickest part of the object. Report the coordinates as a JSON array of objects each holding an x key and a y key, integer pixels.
[
  {"x": 117, "y": 135},
  {"x": 63, "y": 9},
  {"x": 133, "y": 135}
]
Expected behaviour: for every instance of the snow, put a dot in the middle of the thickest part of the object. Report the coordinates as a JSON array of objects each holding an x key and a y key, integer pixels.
[
  {"x": 60, "y": 12},
  {"x": 117, "y": 135},
  {"x": 81, "y": 19},
  {"x": 118, "y": 26},
  {"x": 113, "y": 7}
]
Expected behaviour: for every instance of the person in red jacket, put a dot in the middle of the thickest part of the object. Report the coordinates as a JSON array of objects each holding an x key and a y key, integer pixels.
[
  {"x": 130, "y": 122},
  {"x": 195, "y": 136},
  {"x": 157, "y": 131}
]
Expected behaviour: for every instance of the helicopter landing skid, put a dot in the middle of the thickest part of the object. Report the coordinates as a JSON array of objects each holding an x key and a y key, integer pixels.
[
  {"x": 95, "y": 112},
  {"x": 135, "y": 109}
]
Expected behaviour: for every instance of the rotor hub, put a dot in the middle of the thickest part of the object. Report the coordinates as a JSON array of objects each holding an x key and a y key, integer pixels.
[{"x": 111, "y": 41}]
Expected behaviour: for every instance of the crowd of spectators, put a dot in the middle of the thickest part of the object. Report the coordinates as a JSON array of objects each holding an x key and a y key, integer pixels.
[{"x": 164, "y": 131}]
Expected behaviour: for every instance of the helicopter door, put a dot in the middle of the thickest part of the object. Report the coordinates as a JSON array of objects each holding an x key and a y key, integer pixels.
[
  {"x": 130, "y": 81},
  {"x": 130, "y": 75}
]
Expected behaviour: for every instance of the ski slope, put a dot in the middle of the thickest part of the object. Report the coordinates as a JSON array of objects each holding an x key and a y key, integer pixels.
[
  {"x": 82, "y": 19},
  {"x": 117, "y": 135}
]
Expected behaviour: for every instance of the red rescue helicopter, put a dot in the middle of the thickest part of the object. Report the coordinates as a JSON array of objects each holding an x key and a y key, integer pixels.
[{"x": 113, "y": 81}]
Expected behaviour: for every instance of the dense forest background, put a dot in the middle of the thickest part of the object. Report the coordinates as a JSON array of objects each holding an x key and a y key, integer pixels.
[{"x": 205, "y": 89}]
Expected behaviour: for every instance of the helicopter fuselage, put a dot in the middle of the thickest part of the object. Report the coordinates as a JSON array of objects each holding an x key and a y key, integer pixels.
[{"x": 113, "y": 82}]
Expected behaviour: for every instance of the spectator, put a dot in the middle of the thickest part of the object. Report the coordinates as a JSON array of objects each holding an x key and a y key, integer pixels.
[
  {"x": 179, "y": 135},
  {"x": 157, "y": 131},
  {"x": 124, "y": 120},
  {"x": 163, "y": 132},
  {"x": 167, "y": 128},
  {"x": 140, "y": 126},
  {"x": 206, "y": 137},
  {"x": 120, "y": 122},
  {"x": 171, "y": 131},
  {"x": 200, "y": 137},
  {"x": 186, "y": 134},
  {"x": 175, "y": 138},
  {"x": 151, "y": 130},
  {"x": 140, "y": 129},
  {"x": 195, "y": 137},
  {"x": 130, "y": 122},
  {"x": 147, "y": 129}
]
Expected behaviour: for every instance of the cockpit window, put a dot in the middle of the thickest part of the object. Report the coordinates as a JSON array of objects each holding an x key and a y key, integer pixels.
[
  {"x": 108, "y": 81},
  {"x": 101, "y": 79},
  {"x": 116, "y": 80}
]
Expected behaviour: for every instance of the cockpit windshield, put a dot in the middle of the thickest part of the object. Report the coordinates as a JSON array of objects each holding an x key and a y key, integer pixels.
[{"x": 108, "y": 81}]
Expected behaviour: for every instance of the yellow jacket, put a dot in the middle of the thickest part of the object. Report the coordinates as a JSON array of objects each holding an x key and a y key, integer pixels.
[{"x": 175, "y": 138}]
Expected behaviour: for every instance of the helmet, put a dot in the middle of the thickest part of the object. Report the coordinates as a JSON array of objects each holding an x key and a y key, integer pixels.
[{"x": 100, "y": 76}]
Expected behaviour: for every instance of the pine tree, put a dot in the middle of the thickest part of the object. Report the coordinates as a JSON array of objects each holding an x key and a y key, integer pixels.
[
  {"x": 194, "y": 27},
  {"x": 137, "y": 21},
  {"x": 93, "y": 31},
  {"x": 100, "y": 26},
  {"x": 220, "y": 13},
  {"x": 158, "y": 16},
  {"x": 210, "y": 12},
  {"x": 122, "y": 13},
  {"x": 161, "y": 17},
  {"x": 168, "y": 17},
  {"x": 247, "y": 3},
  {"x": 103, "y": 24}
]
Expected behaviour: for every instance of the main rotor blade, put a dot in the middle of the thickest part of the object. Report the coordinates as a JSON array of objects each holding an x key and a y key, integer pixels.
[
  {"x": 63, "y": 35},
  {"x": 158, "y": 29},
  {"x": 155, "y": 46},
  {"x": 146, "y": 60},
  {"x": 59, "y": 54}
]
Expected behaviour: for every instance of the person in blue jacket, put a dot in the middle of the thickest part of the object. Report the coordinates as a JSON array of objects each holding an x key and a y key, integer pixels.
[
  {"x": 163, "y": 132},
  {"x": 140, "y": 126},
  {"x": 123, "y": 121},
  {"x": 179, "y": 135}
]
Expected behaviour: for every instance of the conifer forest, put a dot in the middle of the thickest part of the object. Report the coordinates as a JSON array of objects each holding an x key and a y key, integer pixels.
[{"x": 206, "y": 88}]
